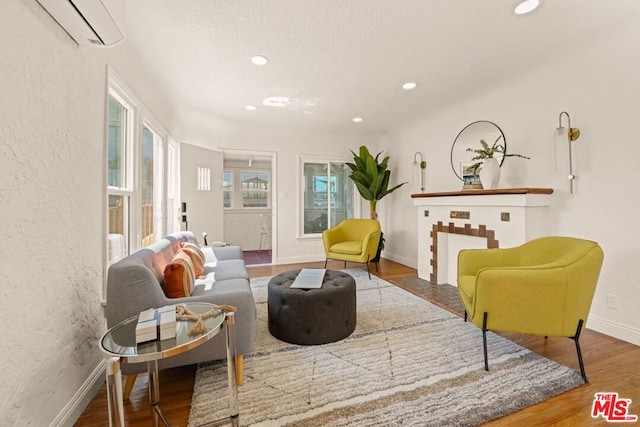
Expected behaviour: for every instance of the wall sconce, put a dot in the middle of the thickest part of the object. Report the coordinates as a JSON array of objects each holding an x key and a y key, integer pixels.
[
  {"x": 572, "y": 135},
  {"x": 418, "y": 171}
]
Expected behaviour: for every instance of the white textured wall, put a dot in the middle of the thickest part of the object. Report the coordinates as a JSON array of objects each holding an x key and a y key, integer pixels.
[
  {"x": 597, "y": 85},
  {"x": 51, "y": 179},
  {"x": 52, "y": 114}
]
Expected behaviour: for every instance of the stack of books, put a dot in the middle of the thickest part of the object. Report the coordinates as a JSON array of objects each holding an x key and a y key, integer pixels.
[{"x": 156, "y": 323}]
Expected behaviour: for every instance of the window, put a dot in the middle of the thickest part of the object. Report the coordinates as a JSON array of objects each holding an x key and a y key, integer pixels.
[
  {"x": 328, "y": 195},
  {"x": 255, "y": 189},
  {"x": 173, "y": 219},
  {"x": 136, "y": 193},
  {"x": 151, "y": 186},
  {"x": 227, "y": 188},
  {"x": 119, "y": 177},
  {"x": 204, "y": 179},
  {"x": 252, "y": 191},
  {"x": 117, "y": 129}
]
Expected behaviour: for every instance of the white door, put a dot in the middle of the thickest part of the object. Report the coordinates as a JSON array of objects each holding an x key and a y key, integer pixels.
[{"x": 201, "y": 191}]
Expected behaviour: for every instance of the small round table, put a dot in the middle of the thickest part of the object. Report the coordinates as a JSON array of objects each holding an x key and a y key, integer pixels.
[
  {"x": 312, "y": 316},
  {"x": 119, "y": 342}
]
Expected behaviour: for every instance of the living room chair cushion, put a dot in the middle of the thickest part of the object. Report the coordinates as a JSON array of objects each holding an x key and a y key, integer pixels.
[{"x": 351, "y": 248}]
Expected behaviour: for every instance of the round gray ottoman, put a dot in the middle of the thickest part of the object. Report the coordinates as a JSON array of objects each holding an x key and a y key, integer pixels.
[{"x": 312, "y": 316}]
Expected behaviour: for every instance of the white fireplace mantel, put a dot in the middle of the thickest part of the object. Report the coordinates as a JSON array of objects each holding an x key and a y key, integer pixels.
[{"x": 450, "y": 221}]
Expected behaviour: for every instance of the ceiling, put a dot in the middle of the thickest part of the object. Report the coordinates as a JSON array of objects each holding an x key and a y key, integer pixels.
[{"x": 339, "y": 59}]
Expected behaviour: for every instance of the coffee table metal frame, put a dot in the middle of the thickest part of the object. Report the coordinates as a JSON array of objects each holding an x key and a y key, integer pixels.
[{"x": 119, "y": 344}]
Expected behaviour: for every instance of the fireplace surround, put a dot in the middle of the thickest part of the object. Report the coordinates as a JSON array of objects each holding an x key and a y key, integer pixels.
[{"x": 498, "y": 218}]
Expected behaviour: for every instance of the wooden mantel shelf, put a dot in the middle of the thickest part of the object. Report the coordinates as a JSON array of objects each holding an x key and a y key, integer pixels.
[{"x": 497, "y": 191}]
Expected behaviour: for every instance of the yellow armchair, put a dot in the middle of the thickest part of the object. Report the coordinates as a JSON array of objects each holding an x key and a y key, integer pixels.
[
  {"x": 543, "y": 287},
  {"x": 353, "y": 240}
]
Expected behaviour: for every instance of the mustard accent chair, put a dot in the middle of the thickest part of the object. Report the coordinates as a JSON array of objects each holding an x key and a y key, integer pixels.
[
  {"x": 353, "y": 240},
  {"x": 543, "y": 287}
]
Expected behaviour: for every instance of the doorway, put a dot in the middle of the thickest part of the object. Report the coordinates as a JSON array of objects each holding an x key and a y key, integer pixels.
[{"x": 249, "y": 199}]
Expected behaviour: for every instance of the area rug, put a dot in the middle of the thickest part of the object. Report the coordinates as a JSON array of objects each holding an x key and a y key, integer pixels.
[{"x": 407, "y": 363}]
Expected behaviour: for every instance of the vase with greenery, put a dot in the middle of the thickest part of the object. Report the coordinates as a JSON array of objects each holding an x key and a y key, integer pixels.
[
  {"x": 488, "y": 152},
  {"x": 371, "y": 177}
]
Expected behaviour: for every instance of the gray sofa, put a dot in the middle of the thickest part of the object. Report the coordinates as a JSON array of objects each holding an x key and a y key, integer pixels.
[{"x": 135, "y": 283}]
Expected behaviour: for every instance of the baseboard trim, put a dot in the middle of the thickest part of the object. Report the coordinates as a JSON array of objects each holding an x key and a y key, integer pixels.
[
  {"x": 409, "y": 262},
  {"x": 80, "y": 400},
  {"x": 314, "y": 258},
  {"x": 614, "y": 329}
]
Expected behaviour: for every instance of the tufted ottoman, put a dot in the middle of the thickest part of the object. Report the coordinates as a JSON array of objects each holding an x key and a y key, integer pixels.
[{"x": 312, "y": 316}]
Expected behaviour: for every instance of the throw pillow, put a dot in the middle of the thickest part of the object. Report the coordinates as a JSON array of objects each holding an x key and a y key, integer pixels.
[
  {"x": 197, "y": 258},
  {"x": 179, "y": 276},
  {"x": 210, "y": 259}
]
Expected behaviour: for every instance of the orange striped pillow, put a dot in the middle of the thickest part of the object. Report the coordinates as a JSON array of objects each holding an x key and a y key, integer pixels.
[
  {"x": 197, "y": 258},
  {"x": 179, "y": 277}
]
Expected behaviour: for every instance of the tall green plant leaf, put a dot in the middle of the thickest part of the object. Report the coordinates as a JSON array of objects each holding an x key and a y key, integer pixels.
[{"x": 371, "y": 175}]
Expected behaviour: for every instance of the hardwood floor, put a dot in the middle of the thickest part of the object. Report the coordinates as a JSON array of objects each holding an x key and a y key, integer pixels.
[{"x": 611, "y": 366}]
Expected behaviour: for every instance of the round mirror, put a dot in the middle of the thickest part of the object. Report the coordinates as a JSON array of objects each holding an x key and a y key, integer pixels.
[{"x": 469, "y": 139}]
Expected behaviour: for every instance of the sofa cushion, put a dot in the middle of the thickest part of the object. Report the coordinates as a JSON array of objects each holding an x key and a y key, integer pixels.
[
  {"x": 196, "y": 255},
  {"x": 179, "y": 276},
  {"x": 231, "y": 269}
]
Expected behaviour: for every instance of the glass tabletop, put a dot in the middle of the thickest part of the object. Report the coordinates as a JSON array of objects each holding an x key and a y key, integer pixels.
[{"x": 121, "y": 339}]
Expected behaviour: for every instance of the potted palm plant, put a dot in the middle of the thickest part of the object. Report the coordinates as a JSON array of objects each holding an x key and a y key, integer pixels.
[{"x": 371, "y": 177}]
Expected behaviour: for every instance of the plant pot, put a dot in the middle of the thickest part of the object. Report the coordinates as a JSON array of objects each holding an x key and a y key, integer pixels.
[{"x": 376, "y": 259}]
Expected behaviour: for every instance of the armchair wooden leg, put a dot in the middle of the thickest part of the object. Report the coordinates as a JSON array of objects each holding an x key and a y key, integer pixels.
[
  {"x": 131, "y": 380},
  {"x": 325, "y": 262},
  {"x": 239, "y": 371},
  {"x": 484, "y": 341}
]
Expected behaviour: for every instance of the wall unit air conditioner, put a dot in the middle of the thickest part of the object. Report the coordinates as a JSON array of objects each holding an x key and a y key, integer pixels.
[{"x": 89, "y": 22}]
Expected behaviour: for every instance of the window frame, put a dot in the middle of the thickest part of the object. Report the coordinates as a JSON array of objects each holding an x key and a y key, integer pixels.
[
  {"x": 328, "y": 161},
  {"x": 138, "y": 118},
  {"x": 159, "y": 188},
  {"x": 243, "y": 190},
  {"x": 237, "y": 191},
  {"x": 126, "y": 190},
  {"x": 231, "y": 190}
]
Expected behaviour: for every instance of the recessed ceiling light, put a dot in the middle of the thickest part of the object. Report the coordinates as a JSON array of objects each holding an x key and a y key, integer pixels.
[
  {"x": 276, "y": 101},
  {"x": 527, "y": 6},
  {"x": 259, "y": 60},
  {"x": 409, "y": 85},
  {"x": 250, "y": 107},
  {"x": 357, "y": 119}
]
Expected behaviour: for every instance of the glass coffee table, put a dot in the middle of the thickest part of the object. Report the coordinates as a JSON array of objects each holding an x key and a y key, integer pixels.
[{"x": 119, "y": 342}]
